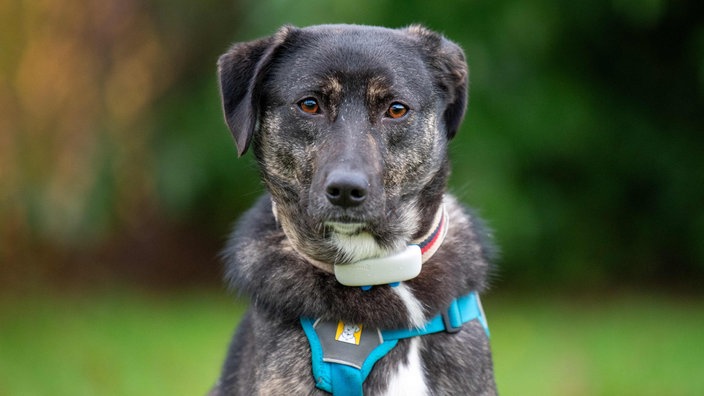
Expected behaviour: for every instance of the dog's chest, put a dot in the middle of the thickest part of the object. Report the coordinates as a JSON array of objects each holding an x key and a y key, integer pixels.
[{"x": 408, "y": 378}]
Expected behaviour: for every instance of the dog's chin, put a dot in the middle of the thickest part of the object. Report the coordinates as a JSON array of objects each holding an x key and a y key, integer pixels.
[
  {"x": 356, "y": 247},
  {"x": 331, "y": 237},
  {"x": 352, "y": 242},
  {"x": 355, "y": 242}
]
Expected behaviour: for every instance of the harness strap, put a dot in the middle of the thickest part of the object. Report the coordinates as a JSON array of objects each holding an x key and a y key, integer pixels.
[
  {"x": 341, "y": 366},
  {"x": 461, "y": 310}
]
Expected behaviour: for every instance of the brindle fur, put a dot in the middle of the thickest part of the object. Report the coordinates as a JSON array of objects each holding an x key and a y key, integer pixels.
[{"x": 274, "y": 254}]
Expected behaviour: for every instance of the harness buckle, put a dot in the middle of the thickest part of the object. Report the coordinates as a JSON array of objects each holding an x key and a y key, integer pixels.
[{"x": 448, "y": 323}]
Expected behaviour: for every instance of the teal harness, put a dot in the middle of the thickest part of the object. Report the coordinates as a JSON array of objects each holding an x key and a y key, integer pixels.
[{"x": 344, "y": 354}]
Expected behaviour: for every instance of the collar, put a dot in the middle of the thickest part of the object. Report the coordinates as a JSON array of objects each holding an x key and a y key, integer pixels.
[
  {"x": 430, "y": 242},
  {"x": 397, "y": 267}
]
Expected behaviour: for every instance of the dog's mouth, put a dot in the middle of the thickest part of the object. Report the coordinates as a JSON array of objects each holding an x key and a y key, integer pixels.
[{"x": 345, "y": 228}]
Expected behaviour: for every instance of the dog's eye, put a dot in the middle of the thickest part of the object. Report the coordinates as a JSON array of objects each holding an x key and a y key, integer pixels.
[
  {"x": 396, "y": 110},
  {"x": 309, "y": 105}
]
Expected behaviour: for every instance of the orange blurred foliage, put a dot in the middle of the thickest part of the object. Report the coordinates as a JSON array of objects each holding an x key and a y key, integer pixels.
[{"x": 78, "y": 82}]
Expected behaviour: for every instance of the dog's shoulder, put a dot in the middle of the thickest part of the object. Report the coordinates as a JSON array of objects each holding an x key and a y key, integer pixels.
[
  {"x": 472, "y": 241},
  {"x": 256, "y": 240},
  {"x": 257, "y": 221},
  {"x": 267, "y": 355}
]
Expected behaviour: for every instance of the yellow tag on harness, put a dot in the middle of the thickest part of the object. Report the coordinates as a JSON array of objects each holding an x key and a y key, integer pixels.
[{"x": 349, "y": 333}]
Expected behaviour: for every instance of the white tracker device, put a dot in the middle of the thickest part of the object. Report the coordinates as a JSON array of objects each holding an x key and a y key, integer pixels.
[{"x": 397, "y": 267}]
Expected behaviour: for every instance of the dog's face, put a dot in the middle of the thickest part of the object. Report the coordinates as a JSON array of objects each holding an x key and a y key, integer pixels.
[{"x": 350, "y": 127}]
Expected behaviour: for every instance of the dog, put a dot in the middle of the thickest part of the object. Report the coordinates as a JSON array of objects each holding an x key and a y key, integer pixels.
[{"x": 357, "y": 237}]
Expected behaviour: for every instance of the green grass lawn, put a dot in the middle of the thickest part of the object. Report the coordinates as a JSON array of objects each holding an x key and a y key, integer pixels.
[{"x": 130, "y": 343}]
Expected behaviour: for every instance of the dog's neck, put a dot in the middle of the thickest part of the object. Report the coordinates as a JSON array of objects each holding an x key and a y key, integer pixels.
[{"x": 394, "y": 268}]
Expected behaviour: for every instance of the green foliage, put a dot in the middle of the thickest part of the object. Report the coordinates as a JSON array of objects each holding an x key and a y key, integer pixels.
[
  {"x": 197, "y": 174},
  {"x": 582, "y": 144},
  {"x": 581, "y": 147}
]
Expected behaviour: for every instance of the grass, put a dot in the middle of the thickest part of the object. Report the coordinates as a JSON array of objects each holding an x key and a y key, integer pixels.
[
  {"x": 625, "y": 345},
  {"x": 114, "y": 343},
  {"x": 130, "y": 343}
]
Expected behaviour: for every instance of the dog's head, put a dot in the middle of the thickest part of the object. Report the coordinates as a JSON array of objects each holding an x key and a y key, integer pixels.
[{"x": 350, "y": 126}]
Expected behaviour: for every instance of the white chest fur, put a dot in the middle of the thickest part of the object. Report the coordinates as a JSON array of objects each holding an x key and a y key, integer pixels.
[
  {"x": 413, "y": 306},
  {"x": 409, "y": 379}
]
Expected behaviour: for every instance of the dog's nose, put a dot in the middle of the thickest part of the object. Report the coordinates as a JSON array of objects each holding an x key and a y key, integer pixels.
[{"x": 346, "y": 189}]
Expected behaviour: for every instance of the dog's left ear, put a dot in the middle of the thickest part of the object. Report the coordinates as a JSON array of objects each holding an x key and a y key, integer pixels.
[
  {"x": 241, "y": 70},
  {"x": 449, "y": 66}
]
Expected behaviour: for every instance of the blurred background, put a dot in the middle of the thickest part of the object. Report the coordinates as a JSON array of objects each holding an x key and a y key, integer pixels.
[{"x": 582, "y": 148}]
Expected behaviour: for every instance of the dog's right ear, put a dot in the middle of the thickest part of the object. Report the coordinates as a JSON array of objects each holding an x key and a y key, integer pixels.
[{"x": 241, "y": 70}]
